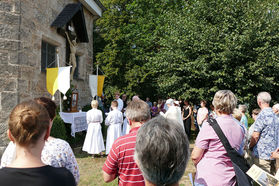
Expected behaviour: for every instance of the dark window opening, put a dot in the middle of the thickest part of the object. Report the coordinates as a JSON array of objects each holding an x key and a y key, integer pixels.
[{"x": 48, "y": 56}]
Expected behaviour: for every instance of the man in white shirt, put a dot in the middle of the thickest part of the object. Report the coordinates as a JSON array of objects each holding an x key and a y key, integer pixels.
[{"x": 119, "y": 101}]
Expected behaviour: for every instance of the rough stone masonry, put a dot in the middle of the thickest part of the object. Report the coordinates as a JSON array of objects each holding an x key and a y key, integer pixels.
[{"x": 23, "y": 26}]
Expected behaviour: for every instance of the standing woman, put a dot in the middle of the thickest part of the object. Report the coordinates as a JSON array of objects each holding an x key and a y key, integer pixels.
[
  {"x": 202, "y": 113},
  {"x": 29, "y": 128},
  {"x": 94, "y": 143},
  {"x": 214, "y": 167},
  {"x": 186, "y": 115}
]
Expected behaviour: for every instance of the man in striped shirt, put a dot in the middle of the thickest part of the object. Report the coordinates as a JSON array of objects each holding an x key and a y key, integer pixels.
[{"x": 120, "y": 161}]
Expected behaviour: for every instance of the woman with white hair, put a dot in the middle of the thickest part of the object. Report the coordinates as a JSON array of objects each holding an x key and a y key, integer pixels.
[
  {"x": 275, "y": 109},
  {"x": 214, "y": 167},
  {"x": 93, "y": 143}
]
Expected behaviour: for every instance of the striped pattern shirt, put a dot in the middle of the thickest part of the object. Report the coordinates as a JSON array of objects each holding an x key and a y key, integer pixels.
[{"x": 120, "y": 160}]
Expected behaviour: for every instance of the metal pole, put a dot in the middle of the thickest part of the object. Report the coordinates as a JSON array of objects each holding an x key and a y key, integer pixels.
[
  {"x": 57, "y": 56},
  {"x": 97, "y": 81}
]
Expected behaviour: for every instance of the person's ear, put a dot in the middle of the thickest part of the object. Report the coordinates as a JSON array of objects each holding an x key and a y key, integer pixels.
[
  {"x": 10, "y": 136},
  {"x": 47, "y": 133}
]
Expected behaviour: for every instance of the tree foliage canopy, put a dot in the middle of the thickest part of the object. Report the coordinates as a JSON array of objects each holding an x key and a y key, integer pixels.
[{"x": 191, "y": 49}]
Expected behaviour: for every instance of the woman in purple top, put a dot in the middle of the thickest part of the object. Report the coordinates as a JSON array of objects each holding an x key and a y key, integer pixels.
[
  {"x": 154, "y": 110},
  {"x": 214, "y": 167}
]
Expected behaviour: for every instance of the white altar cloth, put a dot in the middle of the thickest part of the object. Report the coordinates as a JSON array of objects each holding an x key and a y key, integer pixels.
[{"x": 76, "y": 119}]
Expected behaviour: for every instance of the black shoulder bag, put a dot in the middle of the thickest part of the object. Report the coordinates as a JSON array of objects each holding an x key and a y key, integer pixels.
[{"x": 240, "y": 165}]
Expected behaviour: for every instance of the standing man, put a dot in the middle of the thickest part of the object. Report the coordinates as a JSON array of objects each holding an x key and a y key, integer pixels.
[
  {"x": 265, "y": 136},
  {"x": 119, "y": 101},
  {"x": 148, "y": 102},
  {"x": 120, "y": 161}
]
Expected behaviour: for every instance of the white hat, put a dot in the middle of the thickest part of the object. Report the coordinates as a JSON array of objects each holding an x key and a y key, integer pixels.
[
  {"x": 276, "y": 106},
  {"x": 169, "y": 102},
  {"x": 176, "y": 102}
]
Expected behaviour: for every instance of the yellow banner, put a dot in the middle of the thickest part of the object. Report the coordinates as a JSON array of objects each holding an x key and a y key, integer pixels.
[
  {"x": 52, "y": 80},
  {"x": 100, "y": 84}
]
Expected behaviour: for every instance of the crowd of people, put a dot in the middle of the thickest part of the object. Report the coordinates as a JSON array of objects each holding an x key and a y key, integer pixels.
[{"x": 146, "y": 143}]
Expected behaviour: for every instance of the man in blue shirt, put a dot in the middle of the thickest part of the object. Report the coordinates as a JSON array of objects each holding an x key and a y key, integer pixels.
[{"x": 264, "y": 139}]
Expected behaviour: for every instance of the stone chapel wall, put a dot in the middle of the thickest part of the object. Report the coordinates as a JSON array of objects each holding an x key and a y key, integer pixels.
[{"x": 23, "y": 26}]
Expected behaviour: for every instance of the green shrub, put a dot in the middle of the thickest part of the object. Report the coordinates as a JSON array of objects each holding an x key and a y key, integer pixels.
[
  {"x": 86, "y": 108},
  {"x": 250, "y": 120},
  {"x": 58, "y": 129}
]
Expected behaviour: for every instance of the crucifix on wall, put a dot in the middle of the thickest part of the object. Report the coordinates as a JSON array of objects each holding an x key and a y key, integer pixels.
[{"x": 73, "y": 50}]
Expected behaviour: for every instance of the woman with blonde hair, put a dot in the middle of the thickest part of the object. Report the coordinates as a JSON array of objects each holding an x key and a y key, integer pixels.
[
  {"x": 29, "y": 128},
  {"x": 93, "y": 143},
  {"x": 214, "y": 167}
]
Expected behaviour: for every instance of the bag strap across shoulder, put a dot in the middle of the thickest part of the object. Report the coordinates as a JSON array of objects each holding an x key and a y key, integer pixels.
[
  {"x": 232, "y": 153},
  {"x": 241, "y": 164},
  {"x": 220, "y": 134}
]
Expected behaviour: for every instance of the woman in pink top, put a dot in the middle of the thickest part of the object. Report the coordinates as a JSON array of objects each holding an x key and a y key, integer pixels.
[
  {"x": 214, "y": 167},
  {"x": 202, "y": 113}
]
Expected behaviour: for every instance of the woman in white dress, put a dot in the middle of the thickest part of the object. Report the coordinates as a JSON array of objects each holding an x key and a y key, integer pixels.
[
  {"x": 126, "y": 127},
  {"x": 94, "y": 143},
  {"x": 114, "y": 120}
]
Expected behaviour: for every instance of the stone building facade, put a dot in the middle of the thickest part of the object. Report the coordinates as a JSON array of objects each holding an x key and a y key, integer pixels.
[{"x": 24, "y": 26}]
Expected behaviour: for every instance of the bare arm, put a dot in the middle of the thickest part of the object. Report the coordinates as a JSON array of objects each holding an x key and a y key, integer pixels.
[
  {"x": 254, "y": 139},
  {"x": 107, "y": 177},
  {"x": 197, "y": 155},
  {"x": 68, "y": 39}
]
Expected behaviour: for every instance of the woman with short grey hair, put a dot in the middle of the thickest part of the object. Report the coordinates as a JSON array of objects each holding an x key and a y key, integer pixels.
[
  {"x": 214, "y": 167},
  {"x": 162, "y": 151}
]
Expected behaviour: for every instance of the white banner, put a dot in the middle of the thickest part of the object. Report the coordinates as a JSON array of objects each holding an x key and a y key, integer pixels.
[
  {"x": 64, "y": 80},
  {"x": 93, "y": 85}
]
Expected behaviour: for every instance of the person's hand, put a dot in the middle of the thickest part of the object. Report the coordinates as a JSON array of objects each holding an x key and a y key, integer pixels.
[{"x": 275, "y": 154}]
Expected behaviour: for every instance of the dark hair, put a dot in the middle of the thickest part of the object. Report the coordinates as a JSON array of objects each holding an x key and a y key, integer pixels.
[
  {"x": 114, "y": 103},
  {"x": 28, "y": 121},
  {"x": 256, "y": 111},
  {"x": 203, "y": 101},
  {"x": 48, "y": 104}
]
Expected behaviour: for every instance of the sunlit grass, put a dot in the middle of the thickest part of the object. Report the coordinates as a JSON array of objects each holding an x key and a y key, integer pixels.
[{"x": 91, "y": 171}]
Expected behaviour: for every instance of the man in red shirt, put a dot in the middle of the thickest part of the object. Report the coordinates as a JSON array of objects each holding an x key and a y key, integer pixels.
[{"x": 120, "y": 161}]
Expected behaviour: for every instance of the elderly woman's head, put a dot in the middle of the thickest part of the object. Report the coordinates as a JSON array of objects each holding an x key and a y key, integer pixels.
[
  {"x": 224, "y": 101},
  {"x": 162, "y": 151},
  {"x": 237, "y": 114}
]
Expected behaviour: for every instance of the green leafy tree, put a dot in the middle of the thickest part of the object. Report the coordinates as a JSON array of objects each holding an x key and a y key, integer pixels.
[
  {"x": 190, "y": 49},
  {"x": 223, "y": 44},
  {"x": 130, "y": 30}
]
